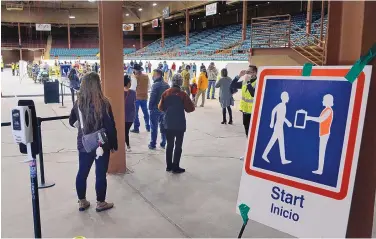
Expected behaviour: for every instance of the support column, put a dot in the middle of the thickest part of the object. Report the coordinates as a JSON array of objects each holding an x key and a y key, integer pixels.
[
  {"x": 19, "y": 40},
  {"x": 351, "y": 32},
  {"x": 309, "y": 16},
  {"x": 111, "y": 62},
  {"x": 322, "y": 20},
  {"x": 162, "y": 28},
  {"x": 244, "y": 22},
  {"x": 141, "y": 37},
  {"x": 69, "y": 43},
  {"x": 186, "y": 27}
]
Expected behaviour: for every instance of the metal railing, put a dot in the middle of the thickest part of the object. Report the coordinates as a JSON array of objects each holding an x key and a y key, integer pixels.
[
  {"x": 308, "y": 46},
  {"x": 271, "y": 31}
]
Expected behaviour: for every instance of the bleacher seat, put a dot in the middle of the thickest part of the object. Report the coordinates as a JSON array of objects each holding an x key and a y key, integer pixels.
[{"x": 207, "y": 44}]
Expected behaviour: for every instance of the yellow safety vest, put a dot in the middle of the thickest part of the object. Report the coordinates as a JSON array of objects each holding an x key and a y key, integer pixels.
[{"x": 246, "y": 103}]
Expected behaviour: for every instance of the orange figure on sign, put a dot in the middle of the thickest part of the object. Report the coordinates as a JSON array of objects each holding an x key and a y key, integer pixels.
[{"x": 325, "y": 120}]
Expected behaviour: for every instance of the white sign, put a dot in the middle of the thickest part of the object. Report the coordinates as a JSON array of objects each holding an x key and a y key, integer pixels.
[
  {"x": 211, "y": 9},
  {"x": 43, "y": 27},
  {"x": 303, "y": 149},
  {"x": 128, "y": 27},
  {"x": 166, "y": 12}
]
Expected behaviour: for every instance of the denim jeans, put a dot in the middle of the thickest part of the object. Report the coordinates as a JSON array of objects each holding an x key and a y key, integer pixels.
[
  {"x": 144, "y": 107},
  {"x": 156, "y": 119},
  {"x": 101, "y": 165},
  {"x": 211, "y": 87}
]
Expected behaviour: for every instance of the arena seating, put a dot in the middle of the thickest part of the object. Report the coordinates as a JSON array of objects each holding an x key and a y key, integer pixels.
[
  {"x": 221, "y": 43},
  {"x": 84, "y": 53}
]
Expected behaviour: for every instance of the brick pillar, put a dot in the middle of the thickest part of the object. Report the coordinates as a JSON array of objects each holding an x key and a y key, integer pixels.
[
  {"x": 309, "y": 16},
  {"x": 351, "y": 32},
  {"x": 19, "y": 40},
  {"x": 141, "y": 37},
  {"x": 186, "y": 27},
  {"x": 244, "y": 21},
  {"x": 162, "y": 28},
  {"x": 69, "y": 43},
  {"x": 111, "y": 62}
]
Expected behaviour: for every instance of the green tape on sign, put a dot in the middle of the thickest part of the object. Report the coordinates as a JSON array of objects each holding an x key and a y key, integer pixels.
[
  {"x": 359, "y": 65},
  {"x": 307, "y": 69},
  {"x": 244, "y": 209}
]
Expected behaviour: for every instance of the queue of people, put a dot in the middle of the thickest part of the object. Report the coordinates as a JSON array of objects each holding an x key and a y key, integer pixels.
[{"x": 165, "y": 111}]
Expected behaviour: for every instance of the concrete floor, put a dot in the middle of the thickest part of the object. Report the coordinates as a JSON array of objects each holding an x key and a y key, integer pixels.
[{"x": 148, "y": 201}]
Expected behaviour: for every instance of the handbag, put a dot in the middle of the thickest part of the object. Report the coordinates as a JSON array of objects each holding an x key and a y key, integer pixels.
[{"x": 93, "y": 140}]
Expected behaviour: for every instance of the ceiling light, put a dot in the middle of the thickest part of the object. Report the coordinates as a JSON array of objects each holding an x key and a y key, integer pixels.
[
  {"x": 268, "y": 2},
  {"x": 198, "y": 18},
  {"x": 72, "y": 17},
  {"x": 256, "y": 5},
  {"x": 127, "y": 15},
  {"x": 154, "y": 4},
  {"x": 91, "y": 0},
  {"x": 140, "y": 9},
  {"x": 219, "y": 13}
]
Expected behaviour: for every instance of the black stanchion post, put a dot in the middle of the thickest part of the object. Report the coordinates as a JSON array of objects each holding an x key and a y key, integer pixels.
[
  {"x": 242, "y": 230},
  {"x": 62, "y": 94},
  {"x": 43, "y": 184},
  {"x": 35, "y": 197}
]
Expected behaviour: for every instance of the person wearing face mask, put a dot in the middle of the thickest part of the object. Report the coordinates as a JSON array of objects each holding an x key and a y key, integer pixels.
[{"x": 246, "y": 81}]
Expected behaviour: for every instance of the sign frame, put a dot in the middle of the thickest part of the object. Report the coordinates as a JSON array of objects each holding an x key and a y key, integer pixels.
[
  {"x": 43, "y": 27},
  {"x": 359, "y": 97},
  {"x": 211, "y": 9},
  {"x": 166, "y": 12},
  {"x": 131, "y": 26}
]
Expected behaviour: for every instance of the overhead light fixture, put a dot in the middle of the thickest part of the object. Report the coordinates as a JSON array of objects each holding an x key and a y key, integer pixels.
[
  {"x": 72, "y": 17},
  {"x": 256, "y": 5},
  {"x": 127, "y": 15},
  {"x": 268, "y": 2},
  {"x": 198, "y": 18},
  {"x": 140, "y": 9},
  {"x": 91, "y": 0},
  {"x": 154, "y": 4}
]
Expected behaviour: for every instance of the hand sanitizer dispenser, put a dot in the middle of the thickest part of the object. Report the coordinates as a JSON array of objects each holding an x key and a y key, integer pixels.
[{"x": 22, "y": 129}]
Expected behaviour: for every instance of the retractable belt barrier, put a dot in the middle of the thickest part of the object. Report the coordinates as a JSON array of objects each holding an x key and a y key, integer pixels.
[{"x": 43, "y": 184}]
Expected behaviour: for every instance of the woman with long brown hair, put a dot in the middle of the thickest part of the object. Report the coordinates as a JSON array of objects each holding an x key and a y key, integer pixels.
[{"x": 91, "y": 113}]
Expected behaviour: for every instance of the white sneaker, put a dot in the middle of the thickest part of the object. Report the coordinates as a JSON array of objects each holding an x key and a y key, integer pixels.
[{"x": 129, "y": 149}]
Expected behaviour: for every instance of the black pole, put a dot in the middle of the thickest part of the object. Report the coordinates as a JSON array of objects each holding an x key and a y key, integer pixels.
[
  {"x": 40, "y": 151},
  {"x": 35, "y": 198},
  {"x": 242, "y": 230},
  {"x": 43, "y": 184},
  {"x": 62, "y": 94}
]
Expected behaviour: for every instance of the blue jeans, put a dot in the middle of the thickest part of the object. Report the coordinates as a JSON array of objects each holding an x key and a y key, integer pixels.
[
  {"x": 211, "y": 87},
  {"x": 156, "y": 118},
  {"x": 144, "y": 108},
  {"x": 101, "y": 165}
]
